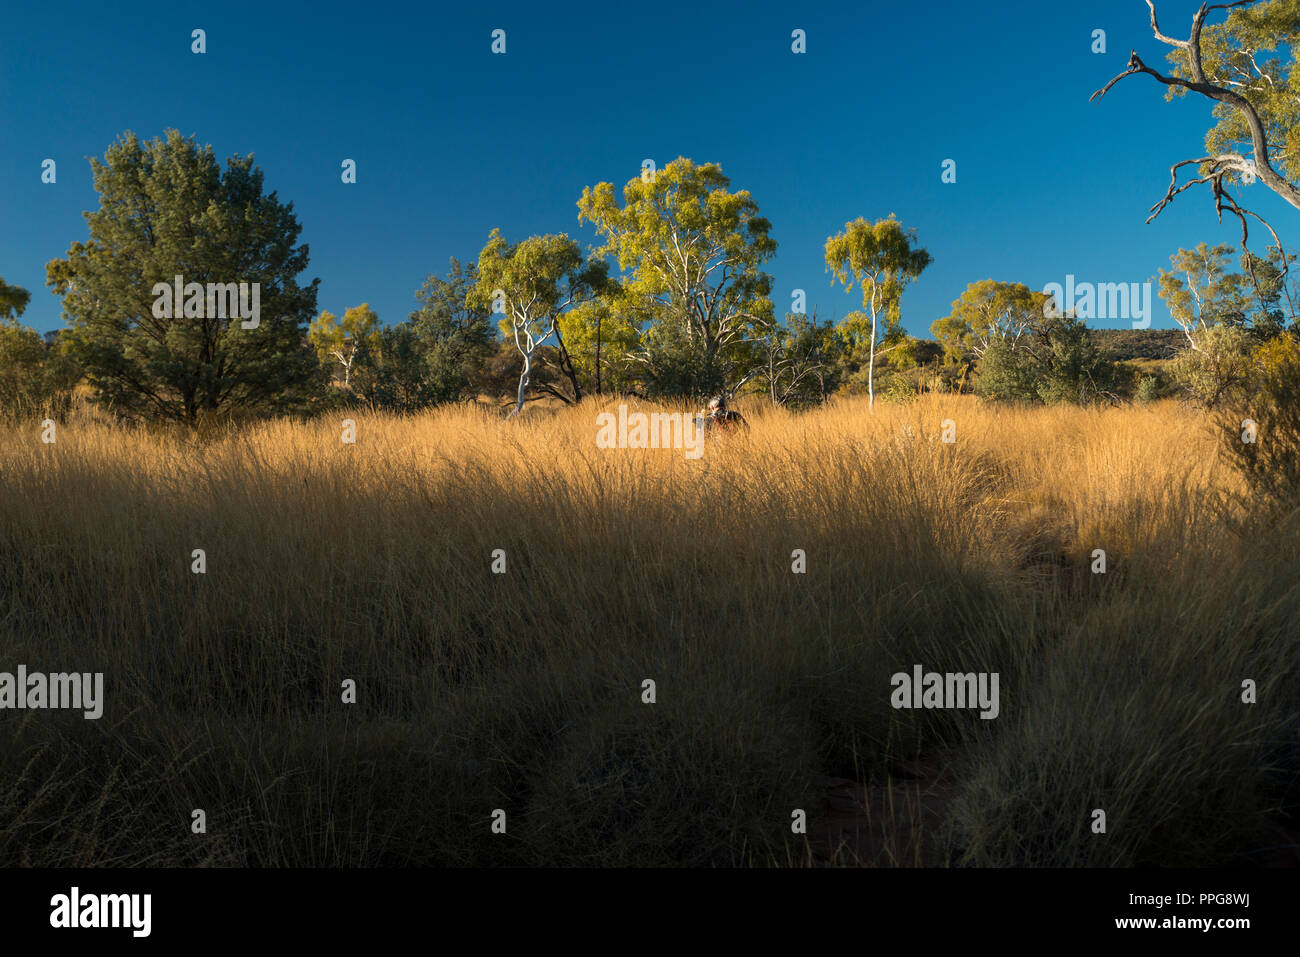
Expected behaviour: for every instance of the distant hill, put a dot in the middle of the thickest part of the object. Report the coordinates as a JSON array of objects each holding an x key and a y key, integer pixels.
[
  {"x": 1122, "y": 344},
  {"x": 1118, "y": 344}
]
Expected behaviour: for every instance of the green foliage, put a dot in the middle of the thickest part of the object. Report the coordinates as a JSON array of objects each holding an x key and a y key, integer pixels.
[
  {"x": 674, "y": 364},
  {"x": 1216, "y": 367},
  {"x": 166, "y": 209},
  {"x": 1253, "y": 53},
  {"x": 915, "y": 353},
  {"x": 534, "y": 282},
  {"x": 1055, "y": 361},
  {"x": 1222, "y": 313},
  {"x": 436, "y": 356},
  {"x": 954, "y": 338},
  {"x": 1269, "y": 315},
  {"x": 882, "y": 258},
  {"x": 1148, "y": 389},
  {"x": 801, "y": 361},
  {"x": 338, "y": 340},
  {"x": 1271, "y": 463},
  {"x": 1024, "y": 353},
  {"x": 986, "y": 312},
  {"x": 538, "y": 277},
  {"x": 601, "y": 336},
  {"x": 36, "y": 378},
  {"x": 397, "y": 373},
  {"x": 1007, "y": 374},
  {"x": 1202, "y": 290},
  {"x": 1072, "y": 367},
  {"x": 455, "y": 336},
  {"x": 13, "y": 300},
  {"x": 900, "y": 385},
  {"x": 692, "y": 253}
]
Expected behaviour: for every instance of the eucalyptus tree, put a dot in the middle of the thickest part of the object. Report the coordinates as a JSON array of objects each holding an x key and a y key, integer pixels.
[
  {"x": 882, "y": 258},
  {"x": 694, "y": 250},
  {"x": 531, "y": 284}
]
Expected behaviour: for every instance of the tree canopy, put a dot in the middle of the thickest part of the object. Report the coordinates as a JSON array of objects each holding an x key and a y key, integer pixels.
[
  {"x": 531, "y": 283},
  {"x": 882, "y": 258},
  {"x": 167, "y": 210},
  {"x": 693, "y": 250},
  {"x": 13, "y": 300}
]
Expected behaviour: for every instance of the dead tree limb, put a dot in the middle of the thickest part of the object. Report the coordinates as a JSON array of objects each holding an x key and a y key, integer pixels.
[{"x": 1213, "y": 168}]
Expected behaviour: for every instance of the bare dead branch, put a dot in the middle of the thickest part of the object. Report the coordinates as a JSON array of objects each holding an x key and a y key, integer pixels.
[
  {"x": 1263, "y": 167},
  {"x": 1155, "y": 29}
]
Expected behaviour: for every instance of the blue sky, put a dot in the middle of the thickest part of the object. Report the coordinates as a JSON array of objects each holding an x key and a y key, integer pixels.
[{"x": 451, "y": 140}]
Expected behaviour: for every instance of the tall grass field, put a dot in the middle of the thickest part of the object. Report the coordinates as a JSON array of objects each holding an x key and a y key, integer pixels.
[{"x": 463, "y": 640}]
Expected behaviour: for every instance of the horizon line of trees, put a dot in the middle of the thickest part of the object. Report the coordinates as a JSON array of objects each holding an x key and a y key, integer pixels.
[{"x": 687, "y": 312}]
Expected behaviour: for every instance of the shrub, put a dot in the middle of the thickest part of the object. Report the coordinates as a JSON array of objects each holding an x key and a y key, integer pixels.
[
  {"x": 35, "y": 377},
  {"x": 1216, "y": 368},
  {"x": 1055, "y": 362},
  {"x": 1269, "y": 460},
  {"x": 1006, "y": 374}
]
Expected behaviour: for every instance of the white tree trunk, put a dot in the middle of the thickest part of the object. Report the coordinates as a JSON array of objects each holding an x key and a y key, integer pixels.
[
  {"x": 871, "y": 367},
  {"x": 523, "y": 381}
]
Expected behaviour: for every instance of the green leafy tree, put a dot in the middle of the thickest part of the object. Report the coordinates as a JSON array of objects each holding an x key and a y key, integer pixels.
[
  {"x": 1268, "y": 287},
  {"x": 21, "y": 355},
  {"x": 1247, "y": 64},
  {"x": 1268, "y": 457},
  {"x": 1202, "y": 290},
  {"x": 1072, "y": 365},
  {"x": 35, "y": 376},
  {"x": 987, "y": 312},
  {"x": 531, "y": 284},
  {"x": 955, "y": 339},
  {"x": 454, "y": 337},
  {"x": 1053, "y": 360},
  {"x": 671, "y": 363},
  {"x": 1210, "y": 303},
  {"x": 13, "y": 300},
  {"x": 394, "y": 373},
  {"x": 601, "y": 337},
  {"x": 800, "y": 360},
  {"x": 1217, "y": 369},
  {"x": 166, "y": 208},
  {"x": 882, "y": 258},
  {"x": 1007, "y": 374},
  {"x": 692, "y": 252},
  {"x": 338, "y": 340}
]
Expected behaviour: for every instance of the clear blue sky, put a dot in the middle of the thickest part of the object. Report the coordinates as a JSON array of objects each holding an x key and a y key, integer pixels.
[{"x": 451, "y": 140}]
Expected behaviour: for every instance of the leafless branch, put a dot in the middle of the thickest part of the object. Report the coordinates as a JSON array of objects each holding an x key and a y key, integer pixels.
[{"x": 1198, "y": 83}]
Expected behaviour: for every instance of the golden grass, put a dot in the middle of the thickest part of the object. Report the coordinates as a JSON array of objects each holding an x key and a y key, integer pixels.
[{"x": 522, "y": 691}]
